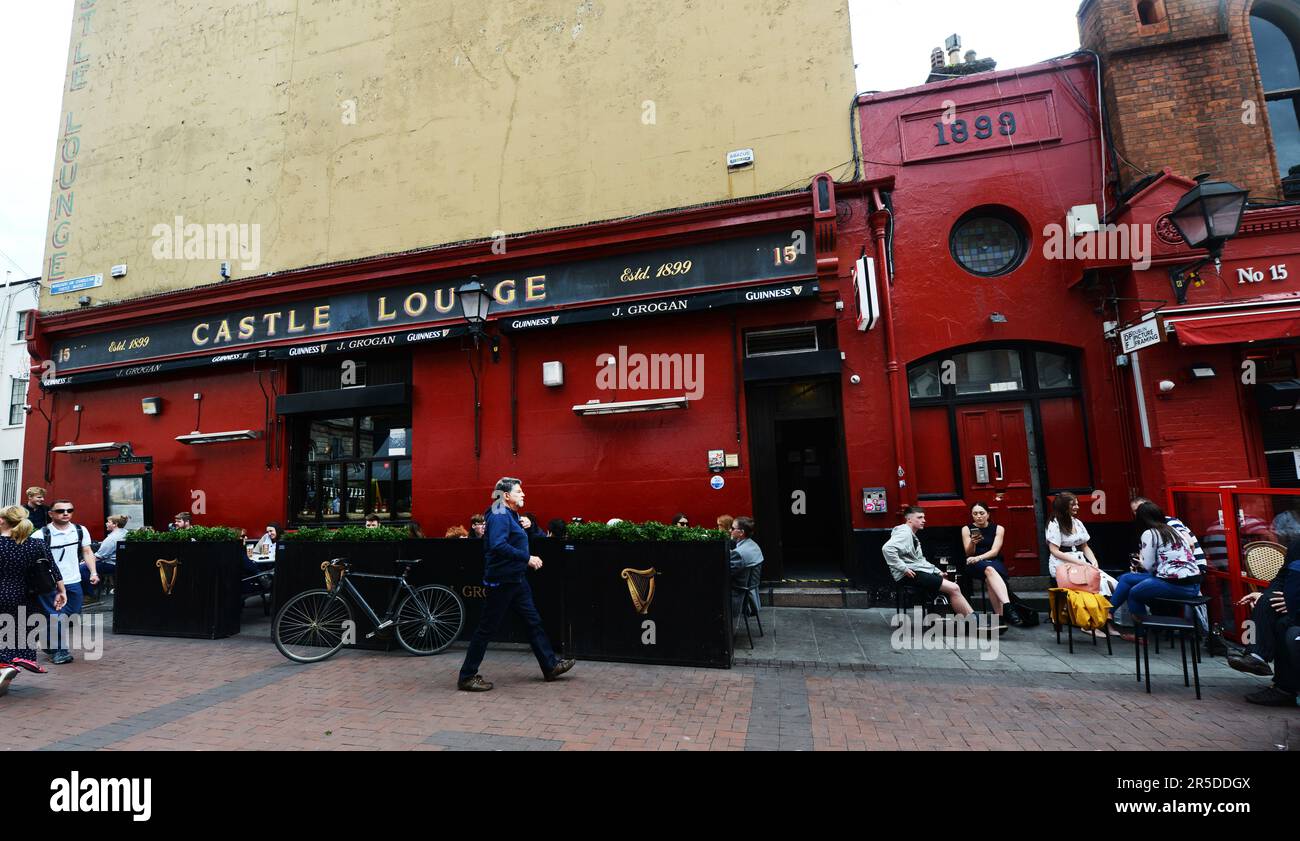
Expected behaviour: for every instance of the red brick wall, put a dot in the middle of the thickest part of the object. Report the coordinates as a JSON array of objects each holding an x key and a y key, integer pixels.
[{"x": 1175, "y": 92}]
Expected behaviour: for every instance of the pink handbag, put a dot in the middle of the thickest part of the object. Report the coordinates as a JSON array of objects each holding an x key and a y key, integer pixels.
[{"x": 1083, "y": 577}]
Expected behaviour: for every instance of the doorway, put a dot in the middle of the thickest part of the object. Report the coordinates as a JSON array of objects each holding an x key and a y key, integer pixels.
[
  {"x": 800, "y": 499},
  {"x": 1000, "y": 469}
]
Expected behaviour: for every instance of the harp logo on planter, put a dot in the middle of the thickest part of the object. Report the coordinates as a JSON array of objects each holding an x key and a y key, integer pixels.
[
  {"x": 641, "y": 587},
  {"x": 165, "y": 567}
]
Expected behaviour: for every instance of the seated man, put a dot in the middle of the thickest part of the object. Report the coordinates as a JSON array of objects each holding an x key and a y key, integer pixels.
[
  {"x": 744, "y": 558},
  {"x": 1279, "y": 635},
  {"x": 907, "y": 562}
]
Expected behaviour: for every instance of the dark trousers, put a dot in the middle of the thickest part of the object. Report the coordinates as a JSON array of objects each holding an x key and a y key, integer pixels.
[
  {"x": 1267, "y": 626},
  {"x": 500, "y": 599},
  {"x": 1286, "y": 664}
]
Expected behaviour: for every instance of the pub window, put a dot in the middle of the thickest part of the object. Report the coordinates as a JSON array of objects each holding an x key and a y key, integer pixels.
[
  {"x": 923, "y": 380},
  {"x": 1151, "y": 11},
  {"x": 984, "y": 371},
  {"x": 9, "y": 490},
  {"x": 1054, "y": 370},
  {"x": 1045, "y": 380},
  {"x": 17, "y": 398},
  {"x": 348, "y": 465},
  {"x": 989, "y": 241},
  {"x": 1275, "y": 28}
]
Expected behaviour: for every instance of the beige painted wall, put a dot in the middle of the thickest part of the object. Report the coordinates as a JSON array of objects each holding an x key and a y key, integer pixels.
[{"x": 471, "y": 117}]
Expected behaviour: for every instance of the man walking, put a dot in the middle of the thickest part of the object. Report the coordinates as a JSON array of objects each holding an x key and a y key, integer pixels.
[
  {"x": 506, "y": 562},
  {"x": 907, "y": 562},
  {"x": 69, "y": 544}
]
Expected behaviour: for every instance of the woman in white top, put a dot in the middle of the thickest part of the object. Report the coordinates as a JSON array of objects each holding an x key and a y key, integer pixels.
[{"x": 1067, "y": 541}]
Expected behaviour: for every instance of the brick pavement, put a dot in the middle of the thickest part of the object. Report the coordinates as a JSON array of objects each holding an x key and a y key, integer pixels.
[{"x": 151, "y": 693}]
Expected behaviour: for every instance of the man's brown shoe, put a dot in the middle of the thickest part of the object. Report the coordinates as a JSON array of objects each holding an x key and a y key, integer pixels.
[
  {"x": 473, "y": 684},
  {"x": 560, "y": 667},
  {"x": 1250, "y": 664}
]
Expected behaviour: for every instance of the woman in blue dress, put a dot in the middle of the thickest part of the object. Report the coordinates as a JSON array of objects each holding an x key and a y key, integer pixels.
[{"x": 982, "y": 540}]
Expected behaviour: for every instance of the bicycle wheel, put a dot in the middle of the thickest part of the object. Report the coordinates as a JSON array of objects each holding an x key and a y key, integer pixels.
[
  {"x": 311, "y": 627},
  {"x": 430, "y": 619}
]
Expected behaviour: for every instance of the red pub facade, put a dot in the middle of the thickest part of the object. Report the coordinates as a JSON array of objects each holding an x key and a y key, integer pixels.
[{"x": 817, "y": 358}]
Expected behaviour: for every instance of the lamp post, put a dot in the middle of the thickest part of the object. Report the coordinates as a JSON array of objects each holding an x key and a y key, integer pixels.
[
  {"x": 474, "y": 303},
  {"x": 1207, "y": 216}
]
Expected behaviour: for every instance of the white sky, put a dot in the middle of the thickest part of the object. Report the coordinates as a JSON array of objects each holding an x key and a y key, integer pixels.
[{"x": 892, "y": 40}]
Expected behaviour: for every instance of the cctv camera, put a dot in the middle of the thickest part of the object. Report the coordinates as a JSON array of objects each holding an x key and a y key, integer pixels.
[
  {"x": 84, "y": 300},
  {"x": 1166, "y": 385},
  {"x": 855, "y": 379}
]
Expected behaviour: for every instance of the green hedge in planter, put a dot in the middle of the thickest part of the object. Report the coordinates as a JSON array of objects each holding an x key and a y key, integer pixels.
[
  {"x": 193, "y": 534},
  {"x": 385, "y": 534},
  {"x": 631, "y": 532}
]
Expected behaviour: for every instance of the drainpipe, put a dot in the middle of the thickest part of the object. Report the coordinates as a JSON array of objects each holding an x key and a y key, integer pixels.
[{"x": 880, "y": 220}]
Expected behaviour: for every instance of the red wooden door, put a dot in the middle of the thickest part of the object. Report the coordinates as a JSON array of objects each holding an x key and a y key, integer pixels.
[{"x": 997, "y": 470}]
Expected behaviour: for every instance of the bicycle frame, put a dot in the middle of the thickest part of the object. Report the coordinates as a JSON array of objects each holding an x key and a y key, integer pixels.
[{"x": 345, "y": 585}]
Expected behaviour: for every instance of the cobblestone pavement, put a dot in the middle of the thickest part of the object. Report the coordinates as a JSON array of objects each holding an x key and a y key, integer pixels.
[{"x": 150, "y": 693}]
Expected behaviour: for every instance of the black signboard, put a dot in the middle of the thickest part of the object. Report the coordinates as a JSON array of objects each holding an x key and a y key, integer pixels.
[
  {"x": 613, "y": 311},
  {"x": 759, "y": 258}
]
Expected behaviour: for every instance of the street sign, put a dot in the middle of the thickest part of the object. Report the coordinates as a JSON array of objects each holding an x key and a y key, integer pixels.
[
  {"x": 1140, "y": 335},
  {"x": 76, "y": 284}
]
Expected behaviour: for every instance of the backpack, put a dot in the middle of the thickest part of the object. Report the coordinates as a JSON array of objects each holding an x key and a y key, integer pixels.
[{"x": 82, "y": 536}]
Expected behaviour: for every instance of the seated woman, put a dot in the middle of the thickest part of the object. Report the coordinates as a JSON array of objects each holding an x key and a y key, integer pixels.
[
  {"x": 1169, "y": 569},
  {"x": 1067, "y": 541},
  {"x": 982, "y": 541}
]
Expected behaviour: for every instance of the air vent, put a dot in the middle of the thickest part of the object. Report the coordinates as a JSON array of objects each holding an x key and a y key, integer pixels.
[{"x": 777, "y": 342}]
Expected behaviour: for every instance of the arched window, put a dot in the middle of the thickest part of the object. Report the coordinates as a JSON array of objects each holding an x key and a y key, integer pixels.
[
  {"x": 1044, "y": 379},
  {"x": 1275, "y": 27}
]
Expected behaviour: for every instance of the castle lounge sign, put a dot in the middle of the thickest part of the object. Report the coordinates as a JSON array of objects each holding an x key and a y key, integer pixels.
[{"x": 701, "y": 267}]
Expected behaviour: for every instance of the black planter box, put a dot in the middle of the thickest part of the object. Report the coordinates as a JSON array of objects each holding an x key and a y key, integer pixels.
[
  {"x": 298, "y": 569},
  {"x": 586, "y": 607},
  {"x": 687, "y": 623},
  {"x": 204, "y": 601}
]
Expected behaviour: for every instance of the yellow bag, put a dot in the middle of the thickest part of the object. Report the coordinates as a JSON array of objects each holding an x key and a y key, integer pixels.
[{"x": 1088, "y": 611}]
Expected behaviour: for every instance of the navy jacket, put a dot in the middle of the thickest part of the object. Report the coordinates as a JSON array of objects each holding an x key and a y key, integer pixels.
[{"x": 505, "y": 547}]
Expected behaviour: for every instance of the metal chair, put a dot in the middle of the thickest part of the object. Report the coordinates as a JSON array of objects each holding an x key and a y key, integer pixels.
[
  {"x": 1057, "y": 611},
  {"x": 1175, "y": 625},
  {"x": 1184, "y": 606},
  {"x": 749, "y": 601}
]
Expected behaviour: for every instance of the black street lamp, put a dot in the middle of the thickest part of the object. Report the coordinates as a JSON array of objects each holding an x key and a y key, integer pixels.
[
  {"x": 1207, "y": 216},
  {"x": 474, "y": 303}
]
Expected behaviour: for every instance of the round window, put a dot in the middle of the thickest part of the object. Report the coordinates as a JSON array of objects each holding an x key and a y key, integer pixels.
[{"x": 987, "y": 243}]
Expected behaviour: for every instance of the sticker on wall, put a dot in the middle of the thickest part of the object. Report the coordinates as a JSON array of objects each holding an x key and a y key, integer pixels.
[{"x": 717, "y": 482}]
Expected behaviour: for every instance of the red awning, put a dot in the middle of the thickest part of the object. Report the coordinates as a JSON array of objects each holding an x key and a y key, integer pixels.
[{"x": 1233, "y": 326}]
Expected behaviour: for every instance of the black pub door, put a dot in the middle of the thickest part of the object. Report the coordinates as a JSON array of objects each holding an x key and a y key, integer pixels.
[{"x": 796, "y": 449}]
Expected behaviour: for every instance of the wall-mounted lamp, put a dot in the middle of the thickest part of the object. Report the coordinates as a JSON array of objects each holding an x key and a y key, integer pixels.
[
  {"x": 151, "y": 405},
  {"x": 1203, "y": 372},
  {"x": 1166, "y": 386},
  {"x": 552, "y": 374}
]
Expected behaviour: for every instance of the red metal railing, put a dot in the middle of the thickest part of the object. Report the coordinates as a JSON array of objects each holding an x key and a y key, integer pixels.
[{"x": 1225, "y": 519}]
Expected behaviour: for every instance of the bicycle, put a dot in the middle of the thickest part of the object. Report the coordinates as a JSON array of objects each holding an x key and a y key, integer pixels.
[{"x": 314, "y": 625}]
